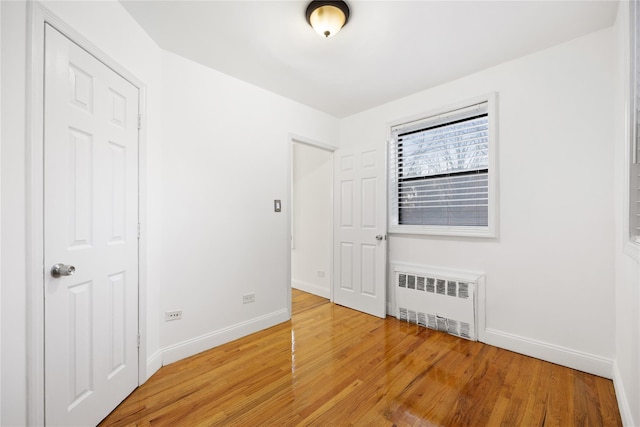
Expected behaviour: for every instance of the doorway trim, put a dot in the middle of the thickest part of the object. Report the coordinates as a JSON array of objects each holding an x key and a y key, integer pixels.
[
  {"x": 38, "y": 15},
  {"x": 297, "y": 139}
]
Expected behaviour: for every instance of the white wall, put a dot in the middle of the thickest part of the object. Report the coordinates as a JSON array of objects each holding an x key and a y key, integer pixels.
[
  {"x": 226, "y": 160},
  {"x": 312, "y": 210},
  {"x": 627, "y": 273},
  {"x": 135, "y": 51},
  {"x": 549, "y": 274},
  {"x": 13, "y": 308},
  {"x": 0, "y": 212}
]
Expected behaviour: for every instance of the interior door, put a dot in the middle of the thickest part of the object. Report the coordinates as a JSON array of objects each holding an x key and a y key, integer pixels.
[
  {"x": 91, "y": 222},
  {"x": 360, "y": 221}
]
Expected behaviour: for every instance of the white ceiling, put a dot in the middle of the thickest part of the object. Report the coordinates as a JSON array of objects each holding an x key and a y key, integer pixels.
[{"x": 387, "y": 50}]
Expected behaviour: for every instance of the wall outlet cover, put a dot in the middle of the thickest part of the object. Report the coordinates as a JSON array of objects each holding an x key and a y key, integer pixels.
[{"x": 172, "y": 315}]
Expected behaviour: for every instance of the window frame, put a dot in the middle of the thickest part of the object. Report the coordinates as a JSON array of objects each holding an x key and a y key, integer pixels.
[
  {"x": 488, "y": 231},
  {"x": 633, "y": 111}
]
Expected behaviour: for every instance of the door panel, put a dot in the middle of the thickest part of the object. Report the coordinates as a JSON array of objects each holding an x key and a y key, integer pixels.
[
  {"x": 91, "y": 217},
  {"x": 360, "y": 216}
]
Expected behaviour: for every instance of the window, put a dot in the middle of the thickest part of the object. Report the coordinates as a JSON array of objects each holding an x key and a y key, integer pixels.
[
  {"x": 441, "y": 173},
  {"x": 634, "y": 149}
]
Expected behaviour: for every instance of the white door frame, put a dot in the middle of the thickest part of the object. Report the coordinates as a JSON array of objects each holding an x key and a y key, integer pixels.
[
  {"x": 38, "y": 15},
  {"x": 326, "y": 147}
]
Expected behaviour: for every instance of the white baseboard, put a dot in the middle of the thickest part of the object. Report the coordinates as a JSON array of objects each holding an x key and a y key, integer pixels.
[
  {"x": 585, "y": 362},
  {"x": 311, "y": 288},
  {"x": 621, "y": 396},
  {"x": 213, "y": 339},
  {"x": 154, "y": 362}
]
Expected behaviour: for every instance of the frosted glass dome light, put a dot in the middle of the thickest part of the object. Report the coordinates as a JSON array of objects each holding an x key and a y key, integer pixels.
[{"x": 327, "y": 17}]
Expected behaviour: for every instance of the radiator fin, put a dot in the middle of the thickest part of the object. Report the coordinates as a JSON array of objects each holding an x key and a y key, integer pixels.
[
  {"x": 402, "y": 280},
  {"x": 451, "y": 288},
  {"x": 463, "y": 290},
  {"x": 431, "y": 321},
  {"x": 431, "y": 284},
  {"x": 464, "y": 330},
  {"x": 452, "y": 327},
  {"x": 422, "y": 319}
]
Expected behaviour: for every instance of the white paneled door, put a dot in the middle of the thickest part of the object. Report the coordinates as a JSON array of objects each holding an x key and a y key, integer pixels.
[
  {"x": 91, "y": 222},
  {"x": 360, "y": 251}
]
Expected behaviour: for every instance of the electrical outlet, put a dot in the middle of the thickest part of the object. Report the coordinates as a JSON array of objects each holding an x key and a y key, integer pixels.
[
  {"x": 247, "y": 298},
  {"x": 172, "y": 315}
]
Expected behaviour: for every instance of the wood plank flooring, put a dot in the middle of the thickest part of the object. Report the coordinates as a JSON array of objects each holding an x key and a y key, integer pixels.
[{"x": 332, "y": 366}]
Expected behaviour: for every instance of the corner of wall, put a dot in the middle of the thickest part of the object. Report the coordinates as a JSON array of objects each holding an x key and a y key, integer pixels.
[
  {"x": 621, "y": 396},
  {"x": 154, "y": 363}
]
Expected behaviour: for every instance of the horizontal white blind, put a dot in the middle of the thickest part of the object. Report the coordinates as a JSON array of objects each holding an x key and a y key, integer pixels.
[
  {"x": 440, "y": 169},
  {"x": 437, "y": 119}
]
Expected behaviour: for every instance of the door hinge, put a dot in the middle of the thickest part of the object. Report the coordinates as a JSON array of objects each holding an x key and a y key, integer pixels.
[
  {"x": 139, "y": 230},
  {"x": 138, "y": 339},
  {"x": 139, "y": 121}
]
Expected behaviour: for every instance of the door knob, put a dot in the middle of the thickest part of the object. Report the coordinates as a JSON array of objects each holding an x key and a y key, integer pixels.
[
  {"x": 60, "y": 270},
  {"x": 379, "y": 237}
]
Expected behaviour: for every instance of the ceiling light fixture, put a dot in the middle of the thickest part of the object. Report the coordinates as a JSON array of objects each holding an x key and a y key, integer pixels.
[{"x": 327, "y": 17}]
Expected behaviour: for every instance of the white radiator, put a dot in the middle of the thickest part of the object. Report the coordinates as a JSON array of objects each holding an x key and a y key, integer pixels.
[{"x": 444, "y": 300}]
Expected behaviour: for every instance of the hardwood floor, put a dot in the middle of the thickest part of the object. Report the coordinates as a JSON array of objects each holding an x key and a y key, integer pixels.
[{"x": 332, "y": 366}]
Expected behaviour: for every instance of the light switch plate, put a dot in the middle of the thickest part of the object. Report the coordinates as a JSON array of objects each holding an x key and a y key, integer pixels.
[{"x": 277, "y": 206}]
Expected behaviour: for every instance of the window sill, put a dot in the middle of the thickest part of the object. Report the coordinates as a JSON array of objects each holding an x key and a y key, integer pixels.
[
  {"x": 480, "y": 232},
  {"x": 632, "y": 249}
]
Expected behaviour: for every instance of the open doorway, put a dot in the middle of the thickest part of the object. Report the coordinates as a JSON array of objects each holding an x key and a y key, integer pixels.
[{"x": 311, "y": 218}]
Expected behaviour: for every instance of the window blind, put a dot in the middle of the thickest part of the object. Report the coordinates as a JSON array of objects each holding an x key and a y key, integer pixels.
[{"x": 439, "y": 169}]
